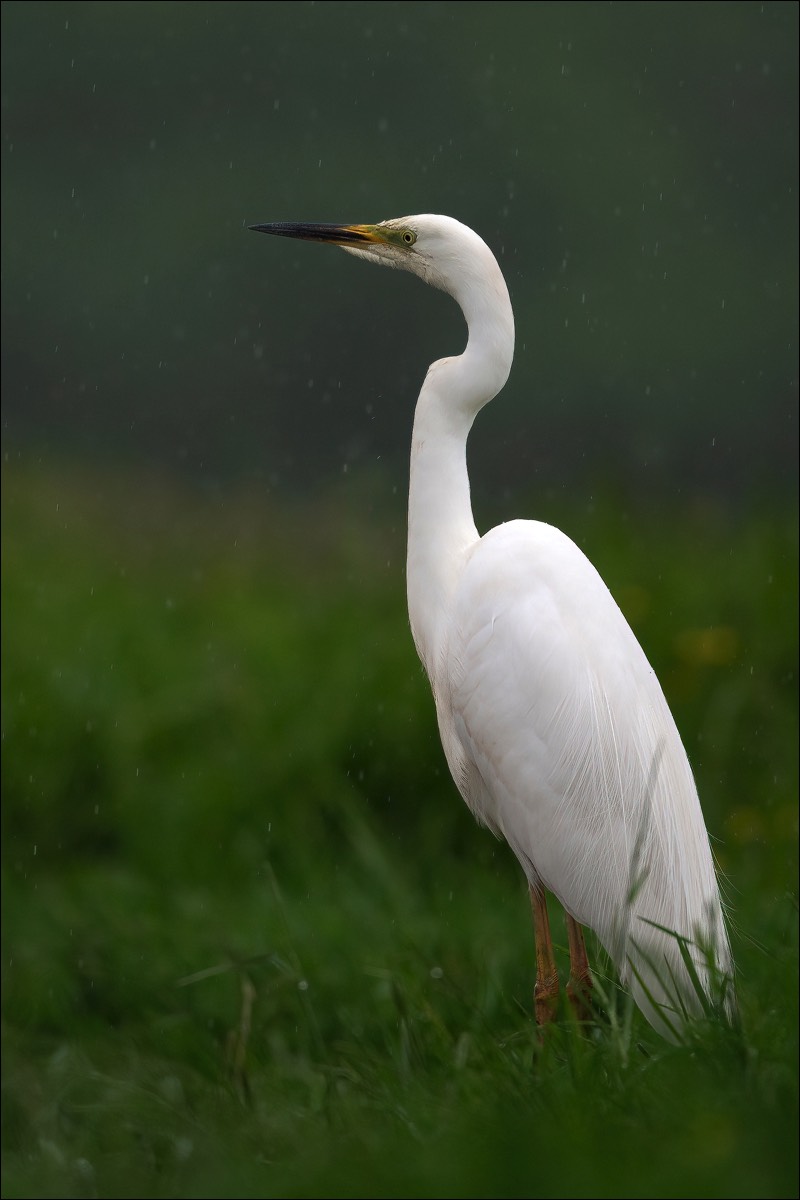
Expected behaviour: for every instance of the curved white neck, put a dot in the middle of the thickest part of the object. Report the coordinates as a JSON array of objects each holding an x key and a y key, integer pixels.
[{"x": 441, "y": 529}]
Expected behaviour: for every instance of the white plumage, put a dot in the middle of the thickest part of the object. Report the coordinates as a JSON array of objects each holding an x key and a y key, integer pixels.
[{"x": 553, "y": 722}]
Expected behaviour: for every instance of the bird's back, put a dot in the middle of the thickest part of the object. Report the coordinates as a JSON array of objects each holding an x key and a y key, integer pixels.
[{"x": 560, "y": 739}]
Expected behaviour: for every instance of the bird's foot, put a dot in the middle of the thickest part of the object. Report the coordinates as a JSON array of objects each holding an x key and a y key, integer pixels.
[
  {"x": 545, "y": 999},
  {"x": 579, "y": 994}
]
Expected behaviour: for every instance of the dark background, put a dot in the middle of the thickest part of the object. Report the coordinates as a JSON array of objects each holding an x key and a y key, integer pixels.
[{"x": 633, "y": 166}]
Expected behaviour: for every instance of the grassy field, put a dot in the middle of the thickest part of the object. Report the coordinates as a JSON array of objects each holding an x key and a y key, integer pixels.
[{"x": 254, "y": 943}]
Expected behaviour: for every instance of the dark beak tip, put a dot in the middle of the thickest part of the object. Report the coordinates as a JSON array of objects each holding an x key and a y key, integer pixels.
[{"x": 337, "y": 235}]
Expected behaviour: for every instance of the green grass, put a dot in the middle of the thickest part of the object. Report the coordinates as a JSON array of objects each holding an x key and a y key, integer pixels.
[{"x": 254, "y": 943}]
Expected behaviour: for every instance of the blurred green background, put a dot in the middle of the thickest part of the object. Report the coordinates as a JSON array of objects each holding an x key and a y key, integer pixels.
[{"x": 253, "y": 941}]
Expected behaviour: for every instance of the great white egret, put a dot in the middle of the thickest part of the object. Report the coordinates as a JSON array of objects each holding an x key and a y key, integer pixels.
[{"x": 553, "y": 722}]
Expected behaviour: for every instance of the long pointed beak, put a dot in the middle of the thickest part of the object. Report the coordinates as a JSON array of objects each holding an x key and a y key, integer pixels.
[{"x": 337, "y": 235}]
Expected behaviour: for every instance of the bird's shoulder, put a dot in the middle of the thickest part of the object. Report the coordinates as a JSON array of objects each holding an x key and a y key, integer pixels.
[
  {"x": 530, "y": 607},
  {"x": 530, "y": 565}
]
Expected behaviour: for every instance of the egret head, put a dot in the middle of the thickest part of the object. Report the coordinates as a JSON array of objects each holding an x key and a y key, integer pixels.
[{"x": 442, "y": 251}]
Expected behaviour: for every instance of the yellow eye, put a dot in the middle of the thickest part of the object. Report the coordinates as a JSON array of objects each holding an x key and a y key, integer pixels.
[{"x": 409, "y": 237}]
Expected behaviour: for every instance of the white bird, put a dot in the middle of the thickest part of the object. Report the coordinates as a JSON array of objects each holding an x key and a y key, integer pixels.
[{"x": 553, "y": 723}]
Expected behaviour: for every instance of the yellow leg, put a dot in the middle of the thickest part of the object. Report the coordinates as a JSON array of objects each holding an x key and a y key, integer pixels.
[
  {"x": 545, "y": 993},
  {"x": 579, "y": 988}
]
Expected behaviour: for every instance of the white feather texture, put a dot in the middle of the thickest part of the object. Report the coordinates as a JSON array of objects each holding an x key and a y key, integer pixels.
[{"x": 559, "y": 737}]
